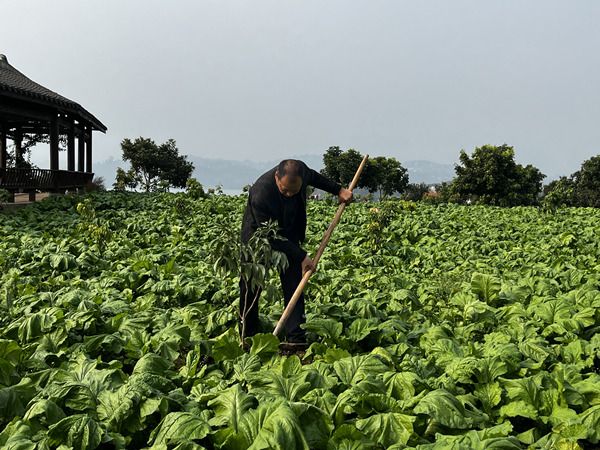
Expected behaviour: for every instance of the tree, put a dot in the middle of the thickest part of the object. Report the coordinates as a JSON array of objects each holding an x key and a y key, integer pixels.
[
  {"x": 124, "y": 180},
  {"x": 587, "y": 183},
  {"x": 446, "y": 193},
  {"x": 152, "y": 164},
  {"x": 384, "y": 175},
  {"x": 416, "y": 191},
  {"x": 341, "y": 166},
  {"x": 560, "y": 193},
  {"x": 253, "y": 263},
  {"x": 381, "y": 174},
  {"x": 528, "y": 186},
  {"x": 581, "y": 189},
  {"x": 491, "y": 176},
  {"x": 331, "y": 160}
]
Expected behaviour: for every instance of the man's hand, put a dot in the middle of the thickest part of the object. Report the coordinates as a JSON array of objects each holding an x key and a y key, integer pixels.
[
  {"x": 345, "y": 196},
  {"x": 307, "y": 264}
]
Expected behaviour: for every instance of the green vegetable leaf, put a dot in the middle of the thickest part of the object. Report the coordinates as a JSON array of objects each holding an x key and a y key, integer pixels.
[
  {"x": 14, "y": 399},
  {"x": 335, "y": 354},
  {"x": 524, "y": 389},
  {"x": 76, "y": 396},
  {"x": 387, "y": 428},
  {"x": 316, "y": 424},
  {"x": 519, "y": 408},
  {"x": 361, "y": 328},
  {"x": 553, "y": 311},
  {"x": 273, "y": 425},
  {"x": 9, "y": 351},
  {"x": 347, "y": 437},
  {"x": 486, "y": 287},
  {"x": 265, "y": 346},
  {"x": 274, "y": 383},
  {"x": 152, "y": 363},
  {"x": 230, "y": 406},
  {"x": 401, "y": 385},
  {"x": 354, "y": 369},
  {"x": 448, "y": 410},
  {"x": 46, "y": 411},
  {"x": 591, "y": 419},
  {"x": 227, "y": 346},
  {"x": 291, "y": 366},
  {"x": 78, "y": 431},
  {"x": 489, "y": 394},
  {"x": 327, "y": 328},
  {"x": 179, "y": 425}
]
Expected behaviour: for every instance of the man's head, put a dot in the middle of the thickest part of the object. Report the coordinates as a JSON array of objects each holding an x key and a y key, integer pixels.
[{"x": 289, "y": 177}]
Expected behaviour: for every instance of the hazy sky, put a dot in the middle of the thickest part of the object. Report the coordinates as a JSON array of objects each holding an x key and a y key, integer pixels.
[{"x": 263, "y": 80}]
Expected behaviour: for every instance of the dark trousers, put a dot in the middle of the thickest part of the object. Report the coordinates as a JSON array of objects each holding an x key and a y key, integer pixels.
[{"x": 290, "y": 279}]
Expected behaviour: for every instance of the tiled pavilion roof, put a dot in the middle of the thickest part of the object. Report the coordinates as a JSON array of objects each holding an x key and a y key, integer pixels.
[{"x": 14, "y": 83}]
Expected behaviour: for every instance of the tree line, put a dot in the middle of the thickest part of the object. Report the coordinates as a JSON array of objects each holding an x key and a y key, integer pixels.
[{"x": 489, "y": 176}]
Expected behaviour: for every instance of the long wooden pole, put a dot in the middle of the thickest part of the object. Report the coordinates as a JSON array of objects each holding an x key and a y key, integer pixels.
[{"x": 292, "y": 304}]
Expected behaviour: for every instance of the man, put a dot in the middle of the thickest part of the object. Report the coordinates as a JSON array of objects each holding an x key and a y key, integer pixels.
[{"x": 280, "y": 194}]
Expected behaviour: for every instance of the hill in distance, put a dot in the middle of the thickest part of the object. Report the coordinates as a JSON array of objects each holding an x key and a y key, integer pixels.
[{"x": 235, "y": 174}]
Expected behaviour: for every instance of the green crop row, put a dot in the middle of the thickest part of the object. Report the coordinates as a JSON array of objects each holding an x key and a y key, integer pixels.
[{"x": 439, "y": 327}]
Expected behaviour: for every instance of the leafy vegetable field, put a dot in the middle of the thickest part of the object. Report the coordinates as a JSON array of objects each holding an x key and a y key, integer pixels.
[{"x": 455, "y": 327}]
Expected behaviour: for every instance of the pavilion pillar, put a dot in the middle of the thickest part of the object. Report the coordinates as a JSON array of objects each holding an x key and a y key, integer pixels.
[
  {"x": 88, "y": 152},
  {"x": 18, "y": 141},
  {"x": 3, "y": 151},
  {"x": 71, "y": 146},
  {"x": 54, "y": 164},
  {"x": 81, "y": 149}
]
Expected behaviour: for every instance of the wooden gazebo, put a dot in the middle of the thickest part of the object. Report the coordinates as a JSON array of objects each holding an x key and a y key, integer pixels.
[{"x": 29, "y": 108}]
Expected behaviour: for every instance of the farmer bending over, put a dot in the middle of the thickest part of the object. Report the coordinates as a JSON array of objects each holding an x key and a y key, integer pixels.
[{"x": 280, "y": 194}]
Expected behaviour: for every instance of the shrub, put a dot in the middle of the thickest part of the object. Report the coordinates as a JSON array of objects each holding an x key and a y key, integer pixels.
[
  {"x": 97, "y": 184},
  {"x": 4, "y": 196}
]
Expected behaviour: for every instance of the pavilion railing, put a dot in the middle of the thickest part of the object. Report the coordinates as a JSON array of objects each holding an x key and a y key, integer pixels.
[{"x": 43, "y": 179}]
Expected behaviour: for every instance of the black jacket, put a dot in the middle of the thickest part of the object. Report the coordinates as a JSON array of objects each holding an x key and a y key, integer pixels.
[{"x": 266, "y": 202}]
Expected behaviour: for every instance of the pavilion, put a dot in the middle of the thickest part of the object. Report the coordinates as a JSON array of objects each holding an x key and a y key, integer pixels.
[{"x": 27, "y": 108}]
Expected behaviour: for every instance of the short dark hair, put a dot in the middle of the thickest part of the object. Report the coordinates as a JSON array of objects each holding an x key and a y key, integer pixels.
[{"x": 290, "y": 167}]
